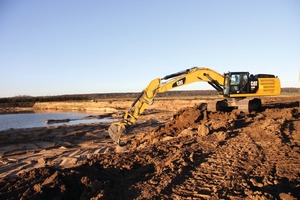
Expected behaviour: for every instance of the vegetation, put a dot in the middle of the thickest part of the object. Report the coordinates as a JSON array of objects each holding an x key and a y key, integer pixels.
[
  {"x": 21, "y": 100},
  {"x": 100, "y": 96}
]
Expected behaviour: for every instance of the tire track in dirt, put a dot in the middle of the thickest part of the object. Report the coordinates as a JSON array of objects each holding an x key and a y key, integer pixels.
[{"x": 33, "y": 148}]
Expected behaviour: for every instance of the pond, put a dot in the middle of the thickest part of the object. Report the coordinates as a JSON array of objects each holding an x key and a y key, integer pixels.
[{"x": 30, "y": 120}]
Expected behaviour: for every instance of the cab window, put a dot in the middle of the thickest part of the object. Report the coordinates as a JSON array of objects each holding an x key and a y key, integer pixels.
[{"x": 235, "y": 79}]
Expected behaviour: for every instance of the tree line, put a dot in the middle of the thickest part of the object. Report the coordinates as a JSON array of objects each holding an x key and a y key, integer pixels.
[
  {"x": 116, "y": 96},
  {"x": 100, "y": 96}
]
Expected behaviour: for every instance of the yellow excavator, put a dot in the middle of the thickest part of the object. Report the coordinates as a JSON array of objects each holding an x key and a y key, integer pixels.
[{"x": 232, "y": 87}]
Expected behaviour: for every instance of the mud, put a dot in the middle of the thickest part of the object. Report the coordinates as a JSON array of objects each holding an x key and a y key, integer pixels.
[{"x": 188, "y": 154}]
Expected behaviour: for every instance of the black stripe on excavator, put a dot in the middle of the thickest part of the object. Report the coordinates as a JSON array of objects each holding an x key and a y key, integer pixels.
[
  {"x": 179, "y": 82},
  {"x": 136, "y": 100},
  {"x": 177, "y": 74},
  {"x": 217, "y": 87},
  {"x": 214, "y": 83}
]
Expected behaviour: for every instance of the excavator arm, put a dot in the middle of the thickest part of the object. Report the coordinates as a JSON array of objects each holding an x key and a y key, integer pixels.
[{"x": 160, "y": 85}]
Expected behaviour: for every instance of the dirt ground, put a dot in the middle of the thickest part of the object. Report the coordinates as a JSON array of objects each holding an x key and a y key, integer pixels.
[{"x": 179, "y": 153}]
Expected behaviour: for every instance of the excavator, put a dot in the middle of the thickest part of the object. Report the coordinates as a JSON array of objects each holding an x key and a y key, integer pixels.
[{"x": 237, "y": 90}]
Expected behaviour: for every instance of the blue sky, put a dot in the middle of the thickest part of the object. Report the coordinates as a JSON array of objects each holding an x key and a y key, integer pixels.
[{"x": 54, "y": 47}]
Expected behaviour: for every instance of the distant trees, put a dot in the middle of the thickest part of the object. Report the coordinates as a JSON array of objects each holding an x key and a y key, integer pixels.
[
  {"x": 290, "y": 90},
  {"x": 115, "y": 96}
]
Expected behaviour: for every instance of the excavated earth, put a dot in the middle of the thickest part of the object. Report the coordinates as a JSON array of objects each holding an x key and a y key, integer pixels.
[{"x": 190, "y": 154}]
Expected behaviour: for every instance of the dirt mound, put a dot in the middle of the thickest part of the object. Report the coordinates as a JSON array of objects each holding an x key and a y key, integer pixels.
[
  {"x": 186, "y": 118},
  {"x": 197, "y": 154}
]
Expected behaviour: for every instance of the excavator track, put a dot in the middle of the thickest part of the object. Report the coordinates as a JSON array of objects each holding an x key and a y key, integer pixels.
[{"x": 249, "y": 105}]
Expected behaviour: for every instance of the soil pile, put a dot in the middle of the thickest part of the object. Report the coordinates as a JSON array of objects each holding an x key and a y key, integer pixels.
[{"x": 197, "y": 154}]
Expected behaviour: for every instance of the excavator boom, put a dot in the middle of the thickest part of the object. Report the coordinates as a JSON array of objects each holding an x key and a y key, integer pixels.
[{"x": 160, "y": 85}]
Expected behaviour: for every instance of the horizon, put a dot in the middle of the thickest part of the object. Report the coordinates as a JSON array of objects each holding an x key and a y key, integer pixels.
[{"x": 189, "y": 90}]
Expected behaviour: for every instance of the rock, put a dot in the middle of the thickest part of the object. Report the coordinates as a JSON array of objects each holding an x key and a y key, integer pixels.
[
  {"x": 37, "y": 188},
  {"x": 98, "y": 116},
  {"x": 203, "y": 130},
  {"x": 120, "y": 149},
  {"x": 41, "y": 161},
  {"x": 54, "y": 121},
  {"x": 222, "y": 136},
  {"x": 166, "y": 138},
  {"x": 255, "y": 183},
  {"x": 187, "y": 131},
  {"x": 85, "y": 181},
  {"x": 154, "y": 140},
  {"x": 50, "y": 179},
  {"x": 285, "y": 196}
]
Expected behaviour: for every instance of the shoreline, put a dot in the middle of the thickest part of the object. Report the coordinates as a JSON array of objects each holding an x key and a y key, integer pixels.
[
  {"x": 113, "y": 106},
  {"x": 56, "y": 118}
]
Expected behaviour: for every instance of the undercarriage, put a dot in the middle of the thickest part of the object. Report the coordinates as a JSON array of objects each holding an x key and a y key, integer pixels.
[{"x": 244, "y": 104}]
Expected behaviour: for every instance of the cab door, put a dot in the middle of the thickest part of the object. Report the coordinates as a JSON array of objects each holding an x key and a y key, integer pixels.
[
  {"x": 226, "y": 91},
  {"x": 238, "y": 83}
]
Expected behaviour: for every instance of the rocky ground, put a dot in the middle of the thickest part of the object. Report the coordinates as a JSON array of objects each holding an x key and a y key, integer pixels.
[{"x": 190, "y": 153}]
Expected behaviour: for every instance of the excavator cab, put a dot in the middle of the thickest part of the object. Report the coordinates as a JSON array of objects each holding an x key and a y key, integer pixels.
[
  {"x": 238, "y": 83},
  {"x": 244, "y": 84}
]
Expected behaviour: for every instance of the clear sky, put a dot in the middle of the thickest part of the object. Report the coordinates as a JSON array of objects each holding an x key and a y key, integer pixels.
[{"x": 54, "y": 47}]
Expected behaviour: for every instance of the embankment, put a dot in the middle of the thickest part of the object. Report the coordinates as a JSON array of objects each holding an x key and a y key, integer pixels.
[{"x": 112, "y": 106}]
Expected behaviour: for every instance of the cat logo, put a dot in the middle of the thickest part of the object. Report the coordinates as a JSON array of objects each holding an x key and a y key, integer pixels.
[
  {"x": 179, "y": 82},
  {"x": 253, "y": 83}
]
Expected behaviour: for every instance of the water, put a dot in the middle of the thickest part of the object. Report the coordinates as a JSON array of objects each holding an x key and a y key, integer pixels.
[{"x": 29, "y": 120}]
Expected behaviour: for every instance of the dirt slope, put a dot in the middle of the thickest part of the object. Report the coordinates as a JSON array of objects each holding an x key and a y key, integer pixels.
[{"x": 197, "y": 154}]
